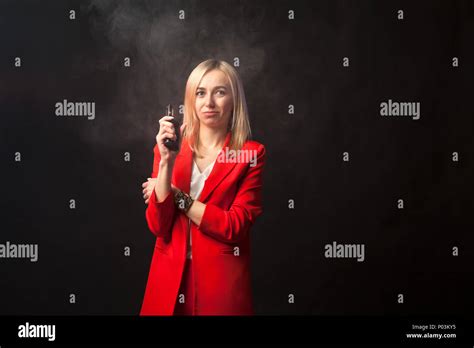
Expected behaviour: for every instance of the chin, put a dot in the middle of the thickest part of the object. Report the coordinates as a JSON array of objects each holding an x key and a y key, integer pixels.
[{"x": 212, "y": 123}]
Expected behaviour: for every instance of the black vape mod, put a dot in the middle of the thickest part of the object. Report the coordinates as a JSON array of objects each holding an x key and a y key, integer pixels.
[{"x": 173, "y": 145}]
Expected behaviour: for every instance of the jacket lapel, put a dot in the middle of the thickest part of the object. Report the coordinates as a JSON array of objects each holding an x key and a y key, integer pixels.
[{"x": 183, "y": 169}]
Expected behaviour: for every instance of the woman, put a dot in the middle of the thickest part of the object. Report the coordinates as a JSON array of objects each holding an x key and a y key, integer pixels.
[{"x": 203, "y": 200}]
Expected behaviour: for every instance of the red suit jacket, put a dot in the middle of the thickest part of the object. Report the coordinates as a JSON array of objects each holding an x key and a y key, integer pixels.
[{"x": 220, "y": 244}]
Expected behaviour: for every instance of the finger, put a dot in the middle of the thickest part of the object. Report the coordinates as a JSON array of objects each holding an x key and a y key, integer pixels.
[
  {"x": 168, "y": 135},
  {"x": 146, "y": 202},
  {"x": 164, "y": 124},
  {"x": 164, "y": 136},
  {"x": 145, "y": 184},
  {"x": 167, "y": 124},
  {"x": 168, "y": 129},
  {"x": 165, "y": 119}
]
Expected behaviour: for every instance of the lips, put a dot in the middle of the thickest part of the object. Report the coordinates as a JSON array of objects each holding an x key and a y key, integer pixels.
[{"x": 210, "y": 113}]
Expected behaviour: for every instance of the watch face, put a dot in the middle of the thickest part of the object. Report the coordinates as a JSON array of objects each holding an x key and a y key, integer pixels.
[
  {"x": 183, "y": 201},
  {"x": 189, "y": 201},
  {"x": 178, "y": 199}
]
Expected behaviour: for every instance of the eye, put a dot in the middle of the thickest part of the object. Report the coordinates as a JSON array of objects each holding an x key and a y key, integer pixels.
[
  {"x": 199, "y": 92},
  {"x": 221, "y": 91}
]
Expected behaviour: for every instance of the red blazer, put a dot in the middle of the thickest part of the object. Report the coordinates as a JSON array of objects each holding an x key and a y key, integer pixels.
[{"x": 233, "y": 197}]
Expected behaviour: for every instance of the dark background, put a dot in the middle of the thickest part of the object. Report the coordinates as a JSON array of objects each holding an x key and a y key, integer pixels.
[{"x": 282, "y": 62}]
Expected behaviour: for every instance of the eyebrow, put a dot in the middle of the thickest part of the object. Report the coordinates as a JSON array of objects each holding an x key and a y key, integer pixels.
[{"x": 214, "y": 87}]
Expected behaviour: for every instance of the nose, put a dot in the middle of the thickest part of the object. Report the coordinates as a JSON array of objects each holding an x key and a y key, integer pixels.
[{"x": 209, "y": 101}]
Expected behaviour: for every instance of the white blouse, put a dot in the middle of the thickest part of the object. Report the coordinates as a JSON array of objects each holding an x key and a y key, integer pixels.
[{"x": 197, "y": 184}]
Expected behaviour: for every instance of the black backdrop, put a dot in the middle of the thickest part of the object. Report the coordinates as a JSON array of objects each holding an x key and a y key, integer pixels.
[{"x": 282, "y": 62}]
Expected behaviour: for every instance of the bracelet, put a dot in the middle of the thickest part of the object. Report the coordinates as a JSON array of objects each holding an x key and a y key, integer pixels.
[{"x": 183, "y": 201}]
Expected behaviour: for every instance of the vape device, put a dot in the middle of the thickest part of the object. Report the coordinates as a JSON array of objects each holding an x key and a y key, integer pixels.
[{"x": 173, "y": 145}]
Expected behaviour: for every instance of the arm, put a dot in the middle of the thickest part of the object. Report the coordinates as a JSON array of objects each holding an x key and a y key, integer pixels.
[
  {"x": 161, "y": 209},
  {"x": 233, "y": 224}
]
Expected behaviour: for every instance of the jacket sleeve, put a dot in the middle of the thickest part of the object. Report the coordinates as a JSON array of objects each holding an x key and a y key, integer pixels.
[
  {"x": 160, "y": 215},
  {"x": 230, "y": 226}
]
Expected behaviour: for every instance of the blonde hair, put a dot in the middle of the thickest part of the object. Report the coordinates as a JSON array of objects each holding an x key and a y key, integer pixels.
[{"x": 239, "y": 124}]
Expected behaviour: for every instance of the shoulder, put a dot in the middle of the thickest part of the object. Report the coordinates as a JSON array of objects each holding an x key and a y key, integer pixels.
[
  {"x": 255, "y": 151},
  {"x": 254, "y": 145}
]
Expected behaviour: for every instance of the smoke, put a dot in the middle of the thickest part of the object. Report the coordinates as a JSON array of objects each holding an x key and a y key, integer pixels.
[{"x": 163, "y": 50}]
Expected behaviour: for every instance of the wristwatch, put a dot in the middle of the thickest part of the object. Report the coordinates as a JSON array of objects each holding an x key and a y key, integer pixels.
[{"x": 182, "y": 200}]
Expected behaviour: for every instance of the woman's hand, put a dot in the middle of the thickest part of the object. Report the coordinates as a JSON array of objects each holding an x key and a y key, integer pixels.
[
  {"x": 167, "y": 131},
  {"x": 149, "y": 186}
]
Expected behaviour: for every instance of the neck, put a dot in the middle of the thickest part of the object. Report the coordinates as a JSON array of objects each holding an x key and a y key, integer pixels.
[{"x": 211, "y": 139}]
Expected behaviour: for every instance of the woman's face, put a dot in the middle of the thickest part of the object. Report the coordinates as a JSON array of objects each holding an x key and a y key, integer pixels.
[{"x": 214, "y": 100}]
